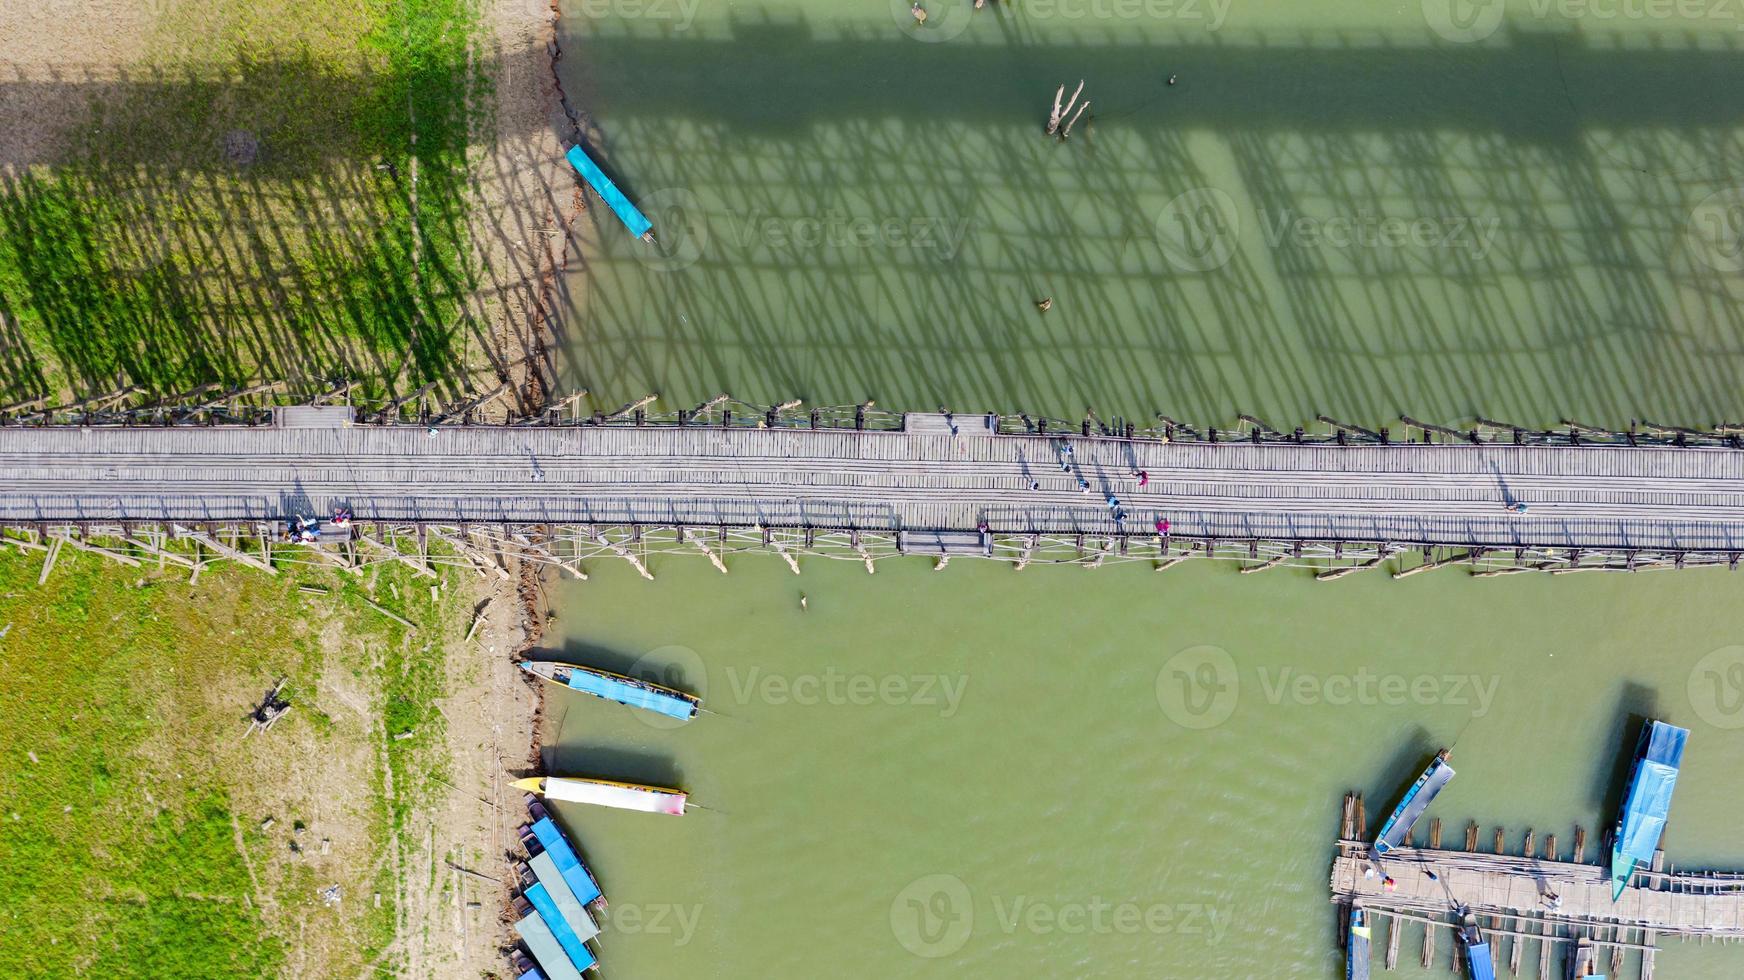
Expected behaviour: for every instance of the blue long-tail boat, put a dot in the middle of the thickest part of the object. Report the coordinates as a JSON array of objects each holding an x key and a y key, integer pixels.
[
  {"x": 616, "y": 687},
  {"x": 1478, "y": 961},
  {"x": 1646, "y": 801},
  {"x": 1398, "y": 826},
  {"x": 543, "y": 836},
  {"x": 628, "y": 213},
  {"x": 1356, "y": 952}
]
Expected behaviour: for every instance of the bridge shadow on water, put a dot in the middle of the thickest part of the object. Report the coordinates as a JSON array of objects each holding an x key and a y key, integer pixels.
[{"x": 1355, "y": 224}]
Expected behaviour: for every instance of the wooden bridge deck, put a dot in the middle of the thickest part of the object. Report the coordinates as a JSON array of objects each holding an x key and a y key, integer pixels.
[
  {"x": 1617, "y": 498},
  {"x": 1505, "y": 885}
]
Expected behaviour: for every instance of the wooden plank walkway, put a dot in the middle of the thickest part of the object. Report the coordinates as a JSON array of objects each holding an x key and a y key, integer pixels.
[
  {"x": 1506, "y": 885},
  {"x": 1615, "y": 498}
]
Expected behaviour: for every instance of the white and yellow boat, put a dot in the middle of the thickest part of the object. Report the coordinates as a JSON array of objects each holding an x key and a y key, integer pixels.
[{"x": 606, "y": 792}]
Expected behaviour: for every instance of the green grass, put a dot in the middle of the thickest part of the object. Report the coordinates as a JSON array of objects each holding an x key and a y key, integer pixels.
[
  {"x": 116, "y": 848},
  {"x": 118, "y": 843},
  {"x": 340, "y": 250}
]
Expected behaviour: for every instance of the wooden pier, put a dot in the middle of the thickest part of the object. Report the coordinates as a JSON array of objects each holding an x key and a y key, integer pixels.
[
  {"x": 1535, "y": 907},
  {"x": 706, "y": 482}
]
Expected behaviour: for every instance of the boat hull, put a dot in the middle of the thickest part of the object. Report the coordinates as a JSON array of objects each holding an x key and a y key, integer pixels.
[
  {"x": 607, "y": 686},
  {"x": 1397, "y": 828},
  {"x": 609, "y": 793},
  {"x": 1356, "y": 952}
]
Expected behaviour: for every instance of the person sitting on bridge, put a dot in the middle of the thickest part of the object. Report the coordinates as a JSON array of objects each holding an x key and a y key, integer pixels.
[{"x": 341, "y": 516}]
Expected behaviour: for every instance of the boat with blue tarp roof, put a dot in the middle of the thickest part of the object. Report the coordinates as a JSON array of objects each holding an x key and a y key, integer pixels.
[
  {"x": 604, "y": 684},
  {"x": 1646, "y": 801}
]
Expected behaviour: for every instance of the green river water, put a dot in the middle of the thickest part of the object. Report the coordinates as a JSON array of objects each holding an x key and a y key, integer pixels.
[{"x": 1356, "y": 209}]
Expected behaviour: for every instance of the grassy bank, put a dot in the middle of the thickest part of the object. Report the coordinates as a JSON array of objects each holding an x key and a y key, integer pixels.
[
  {"x": 279, "y": 193},
  {"x": 142, "y": 835}
]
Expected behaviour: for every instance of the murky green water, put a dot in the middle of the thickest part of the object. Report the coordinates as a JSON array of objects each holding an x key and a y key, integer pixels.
[
  {"x": 1337, "y": 209},
  {"x": 1028, "y": 734}
]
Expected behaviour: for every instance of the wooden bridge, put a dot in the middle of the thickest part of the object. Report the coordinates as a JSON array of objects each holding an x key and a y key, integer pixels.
[
  {"x": 1548, "y": 899},
  {"x": 935, "y": 484}
]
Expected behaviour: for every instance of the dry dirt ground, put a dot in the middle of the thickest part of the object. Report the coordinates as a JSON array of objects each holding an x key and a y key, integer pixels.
[{"x": 56, "y": 57}]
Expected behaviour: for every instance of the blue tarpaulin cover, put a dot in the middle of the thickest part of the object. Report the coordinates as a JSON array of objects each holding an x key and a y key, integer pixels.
[
  {"x": 628, "y": 213},
  {"x": 1647, "y": 801},
  {"x": 568, "y": 865},
  {"x": 1482, "y": 967},
  {"x": 560, "y": 930},
  {"x": 532, "y": 974},
  {"x": 574, "y": 911},
  {"x": 545, "y": 949},
  {"x": 625, "y": 692}
]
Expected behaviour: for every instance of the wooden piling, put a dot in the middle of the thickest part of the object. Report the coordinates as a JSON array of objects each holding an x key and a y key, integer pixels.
[{"x": 1394, "y": 924}]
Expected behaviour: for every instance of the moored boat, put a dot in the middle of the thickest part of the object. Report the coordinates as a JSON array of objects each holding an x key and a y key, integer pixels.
[
  {"x": 543, "y": 839},
  {"x": 1356, "y": 952},
  {"x": 1480, "y": 964},
  {"x": 558, "y": 958},
  {"x": 1646, "y": 801},
  {"x": 616, "y": 687},
  {"x": 607, "y": 792},
  {"x": 1583, "y": 962},
  {"x": 628, "y": 213},
  {"x": 1397, "y": 828}
]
